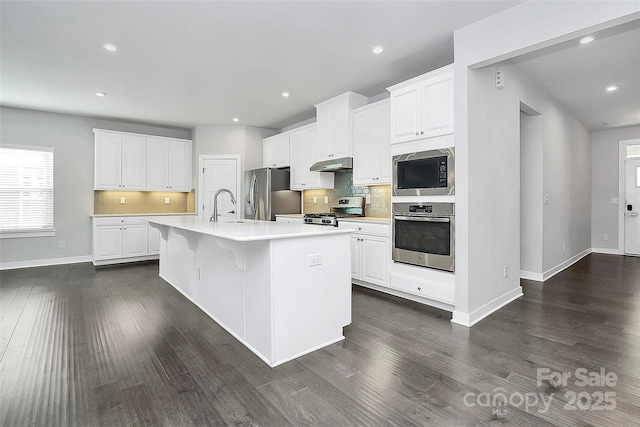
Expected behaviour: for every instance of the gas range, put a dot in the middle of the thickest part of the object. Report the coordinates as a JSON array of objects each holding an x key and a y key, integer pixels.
[{"x": 347, "y": 207}]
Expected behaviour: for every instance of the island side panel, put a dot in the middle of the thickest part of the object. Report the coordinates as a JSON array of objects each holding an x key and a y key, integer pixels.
[
  {"x": 177, "y": 263},
  {"x": 311, "y": 304}
]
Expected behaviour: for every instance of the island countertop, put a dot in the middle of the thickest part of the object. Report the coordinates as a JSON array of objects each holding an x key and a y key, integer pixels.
[{"x": 246, "y": 230}]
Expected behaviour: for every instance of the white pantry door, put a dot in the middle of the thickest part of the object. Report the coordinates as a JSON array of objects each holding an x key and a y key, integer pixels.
[
  {"x": 632, "y": 208},
  {"x": 218, "y": 172}
]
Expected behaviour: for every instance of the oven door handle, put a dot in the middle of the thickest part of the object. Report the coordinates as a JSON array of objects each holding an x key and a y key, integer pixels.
[{"x": 421, "y": 218}]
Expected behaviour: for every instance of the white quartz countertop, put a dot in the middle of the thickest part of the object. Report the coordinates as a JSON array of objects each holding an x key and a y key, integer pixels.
[
  {"x": 144, "y": 214},
  {"x": 246, "y": 230}
]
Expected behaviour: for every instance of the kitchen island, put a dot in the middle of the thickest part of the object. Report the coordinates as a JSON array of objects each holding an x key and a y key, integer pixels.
[{"x": 283, "y": 290}]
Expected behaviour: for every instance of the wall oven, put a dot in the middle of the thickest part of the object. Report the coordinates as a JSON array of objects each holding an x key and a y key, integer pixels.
[
  {"x": 423, "y": 234},
  {"x": 424, "y": 173}
]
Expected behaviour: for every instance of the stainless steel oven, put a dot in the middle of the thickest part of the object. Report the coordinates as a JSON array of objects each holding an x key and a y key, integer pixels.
[
  {"x": 424, "y": 173},
  {"x": 424, "y": 234}
]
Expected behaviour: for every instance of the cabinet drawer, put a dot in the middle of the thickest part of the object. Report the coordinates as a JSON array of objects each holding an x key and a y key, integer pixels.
[
  {"x": 366, "y": 227},
  {"x": 119, "y": 220},
  {"x": 436, "y": 291}
]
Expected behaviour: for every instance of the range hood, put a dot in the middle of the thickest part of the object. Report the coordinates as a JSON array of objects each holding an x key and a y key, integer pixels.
[{"x": 333, "y": 165}]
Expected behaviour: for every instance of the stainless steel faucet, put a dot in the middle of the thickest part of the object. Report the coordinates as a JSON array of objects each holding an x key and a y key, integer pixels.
[{"x": 214, "y": 215}]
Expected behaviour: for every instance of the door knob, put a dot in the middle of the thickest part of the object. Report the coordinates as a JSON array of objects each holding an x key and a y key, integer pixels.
[
  {"x": 232, "y": 211},
  {"x": 629, "y": 207}
]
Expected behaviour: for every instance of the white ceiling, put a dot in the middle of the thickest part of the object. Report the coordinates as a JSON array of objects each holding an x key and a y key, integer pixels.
[
  {"x": 577, "y": 76},
  {"x": 201, "y": 63}
]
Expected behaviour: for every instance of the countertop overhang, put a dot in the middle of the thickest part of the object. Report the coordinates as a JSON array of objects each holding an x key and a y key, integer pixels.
[{"x": 246, "y": 230}]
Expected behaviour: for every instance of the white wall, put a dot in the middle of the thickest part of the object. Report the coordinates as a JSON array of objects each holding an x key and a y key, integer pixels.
[
  {"x": 531, "y": 193},
  {"x": 73, "y": 140},
  {"x": 483, "y": 215},
  {"x": 604, "y": 184}
]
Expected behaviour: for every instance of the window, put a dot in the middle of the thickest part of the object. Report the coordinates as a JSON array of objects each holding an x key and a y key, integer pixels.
[
  {"x": 633, "y": 151},
  {"x": 26, "y": 191}
]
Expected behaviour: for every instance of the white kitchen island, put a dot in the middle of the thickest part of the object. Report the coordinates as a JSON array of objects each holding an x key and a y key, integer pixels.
[{"x": 257, "y": 279}]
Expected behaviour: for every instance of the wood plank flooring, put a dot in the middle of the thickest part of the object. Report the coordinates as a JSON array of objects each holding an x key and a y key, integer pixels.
[{"x": 117, "y": 346}]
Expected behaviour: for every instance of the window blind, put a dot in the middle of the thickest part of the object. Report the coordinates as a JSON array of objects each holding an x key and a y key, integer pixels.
[{"x": 26, "y": 189}]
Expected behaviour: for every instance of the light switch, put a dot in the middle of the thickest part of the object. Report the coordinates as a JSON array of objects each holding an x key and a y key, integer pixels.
[
  {"x": 166, "y": 200},
  {"x": 122, "y": 200},
  {"x": 326, "y": 200},
  {"x": 367, "y": 198},
  {"x": 315, "y": 200},
  {"x": 615, "y": 201}
]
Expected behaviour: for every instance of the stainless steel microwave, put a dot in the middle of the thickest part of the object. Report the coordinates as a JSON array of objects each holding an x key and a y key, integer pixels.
[{"x": 424, "y": 173}]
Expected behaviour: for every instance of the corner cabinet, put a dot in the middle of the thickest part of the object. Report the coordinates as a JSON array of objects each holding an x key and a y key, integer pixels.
[
  {"x": 423, "y": 106},
  {"x": 275, "y": 151},
  {"x": 304, "y": 153},
  {"x": 127, "y": 161},
  {"x": 371, "y": 145},
  {"x": 334, "y": 125}
]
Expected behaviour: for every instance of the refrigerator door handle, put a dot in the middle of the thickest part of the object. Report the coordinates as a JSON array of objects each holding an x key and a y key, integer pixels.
[{"x": 253, "y": 195}]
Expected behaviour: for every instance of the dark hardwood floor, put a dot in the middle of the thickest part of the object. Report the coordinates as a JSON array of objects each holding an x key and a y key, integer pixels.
[{"x": 117, "y": 346}]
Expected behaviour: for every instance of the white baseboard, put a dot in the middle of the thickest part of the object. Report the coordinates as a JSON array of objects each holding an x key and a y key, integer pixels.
[
  {"x": 45, "y": 262},
  {"x": 566, "y": 264},
  {"x": 470, "y": 319},
  {"x": 607, "y": 251},
  {"x": 530, "y": 275}
]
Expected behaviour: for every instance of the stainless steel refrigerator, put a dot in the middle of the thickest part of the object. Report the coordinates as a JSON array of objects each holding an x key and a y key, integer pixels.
[{"x": 267, "y": 194}]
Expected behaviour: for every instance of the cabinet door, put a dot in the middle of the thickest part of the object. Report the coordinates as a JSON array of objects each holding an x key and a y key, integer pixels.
[
  {"x": 375, "y": 260},
  {"x": 333, "y": 130},
  {"x": 269, "y": 153},
  {"x": 154, "y": 241},
  {"x": 108, "y": 162},
  {"x": 134, "y": 240},
  {"x": 107, "y": 242},
  {"x": 298, "y": 161},
  {"x": 437, "y": 107},
  {"x": 179, "y": 166},
  {"x": 384, "y": 145},
  {"x": 157, "y": 161},
  {"x": 134, "y": 161},
  {"x": 365, "y": 151},
  {"x": 405, "y": 114},
  {"x": 281, "y": 151},
  {"x": 356, "y": 257}
]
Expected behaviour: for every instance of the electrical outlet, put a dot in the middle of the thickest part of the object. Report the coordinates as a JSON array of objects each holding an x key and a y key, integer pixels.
[
  {"x": 315, "y": 200},
  {"x": 166, "y": 200},
  {"x": 367, "y": 198},
  {"x": 506, "y": 271},
  {"x": 326, "y": 200},
  {"x": 499, "y": 79},
  {"x": 546, "y": 199},
  {"x": 122, "y": 200},
  {"x": 314, "y": 259},
  {"x": 605, "y": 237},
  {"x": 62, "y": 244}
]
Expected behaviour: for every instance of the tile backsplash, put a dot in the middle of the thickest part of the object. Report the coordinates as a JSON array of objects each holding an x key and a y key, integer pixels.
[
  {"x": 108, "y": 202},
  {"x": 380, "y": 205}
]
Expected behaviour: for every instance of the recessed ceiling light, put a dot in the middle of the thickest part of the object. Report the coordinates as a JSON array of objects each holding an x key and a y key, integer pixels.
[
  {"x": 101, "y": 94},
  {"x": 612, "y": 88},
  {"x": 285, "y": 94},
  {"x": 587, "y": 40},
  {"x": 235, "y": 119},
  {"x": 377, "y": 49},
  {"x": 110, "y": 47}
]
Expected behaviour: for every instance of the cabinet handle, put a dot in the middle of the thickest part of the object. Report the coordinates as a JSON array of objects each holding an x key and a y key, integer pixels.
[
  {"x": 422, "y": 132},
  {"x": 419, "y": 288},
  {"x": 417, "y": 133}
]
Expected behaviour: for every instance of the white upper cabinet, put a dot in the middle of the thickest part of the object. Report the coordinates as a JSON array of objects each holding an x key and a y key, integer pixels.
[
  {"x": 168, "y": 164},
  {"x": 334, "y": 125},
  {"x": 304, "y": 153},
  {"x": 120, "y": 161},
  {"x": 371, "y": 145},
  {"x": 127, "y": 161},
  {"x": 423, "y": 106},
  {"x": 275, "y": 151}
]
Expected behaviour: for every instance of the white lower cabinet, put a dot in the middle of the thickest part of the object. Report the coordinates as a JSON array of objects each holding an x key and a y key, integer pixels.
[
  {"x": 370, "y": 251},
  {"x": 118, "y": 239}
]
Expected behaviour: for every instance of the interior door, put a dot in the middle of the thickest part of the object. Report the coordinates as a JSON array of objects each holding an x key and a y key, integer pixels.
[
  {"x": 220, "y": 173},
  {"x": 632, "y": 208}
]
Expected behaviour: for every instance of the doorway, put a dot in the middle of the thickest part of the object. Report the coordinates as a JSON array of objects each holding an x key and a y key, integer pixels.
[
  {"x": 632, "y": 201},
  {"x": 216, "y": 172}
]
